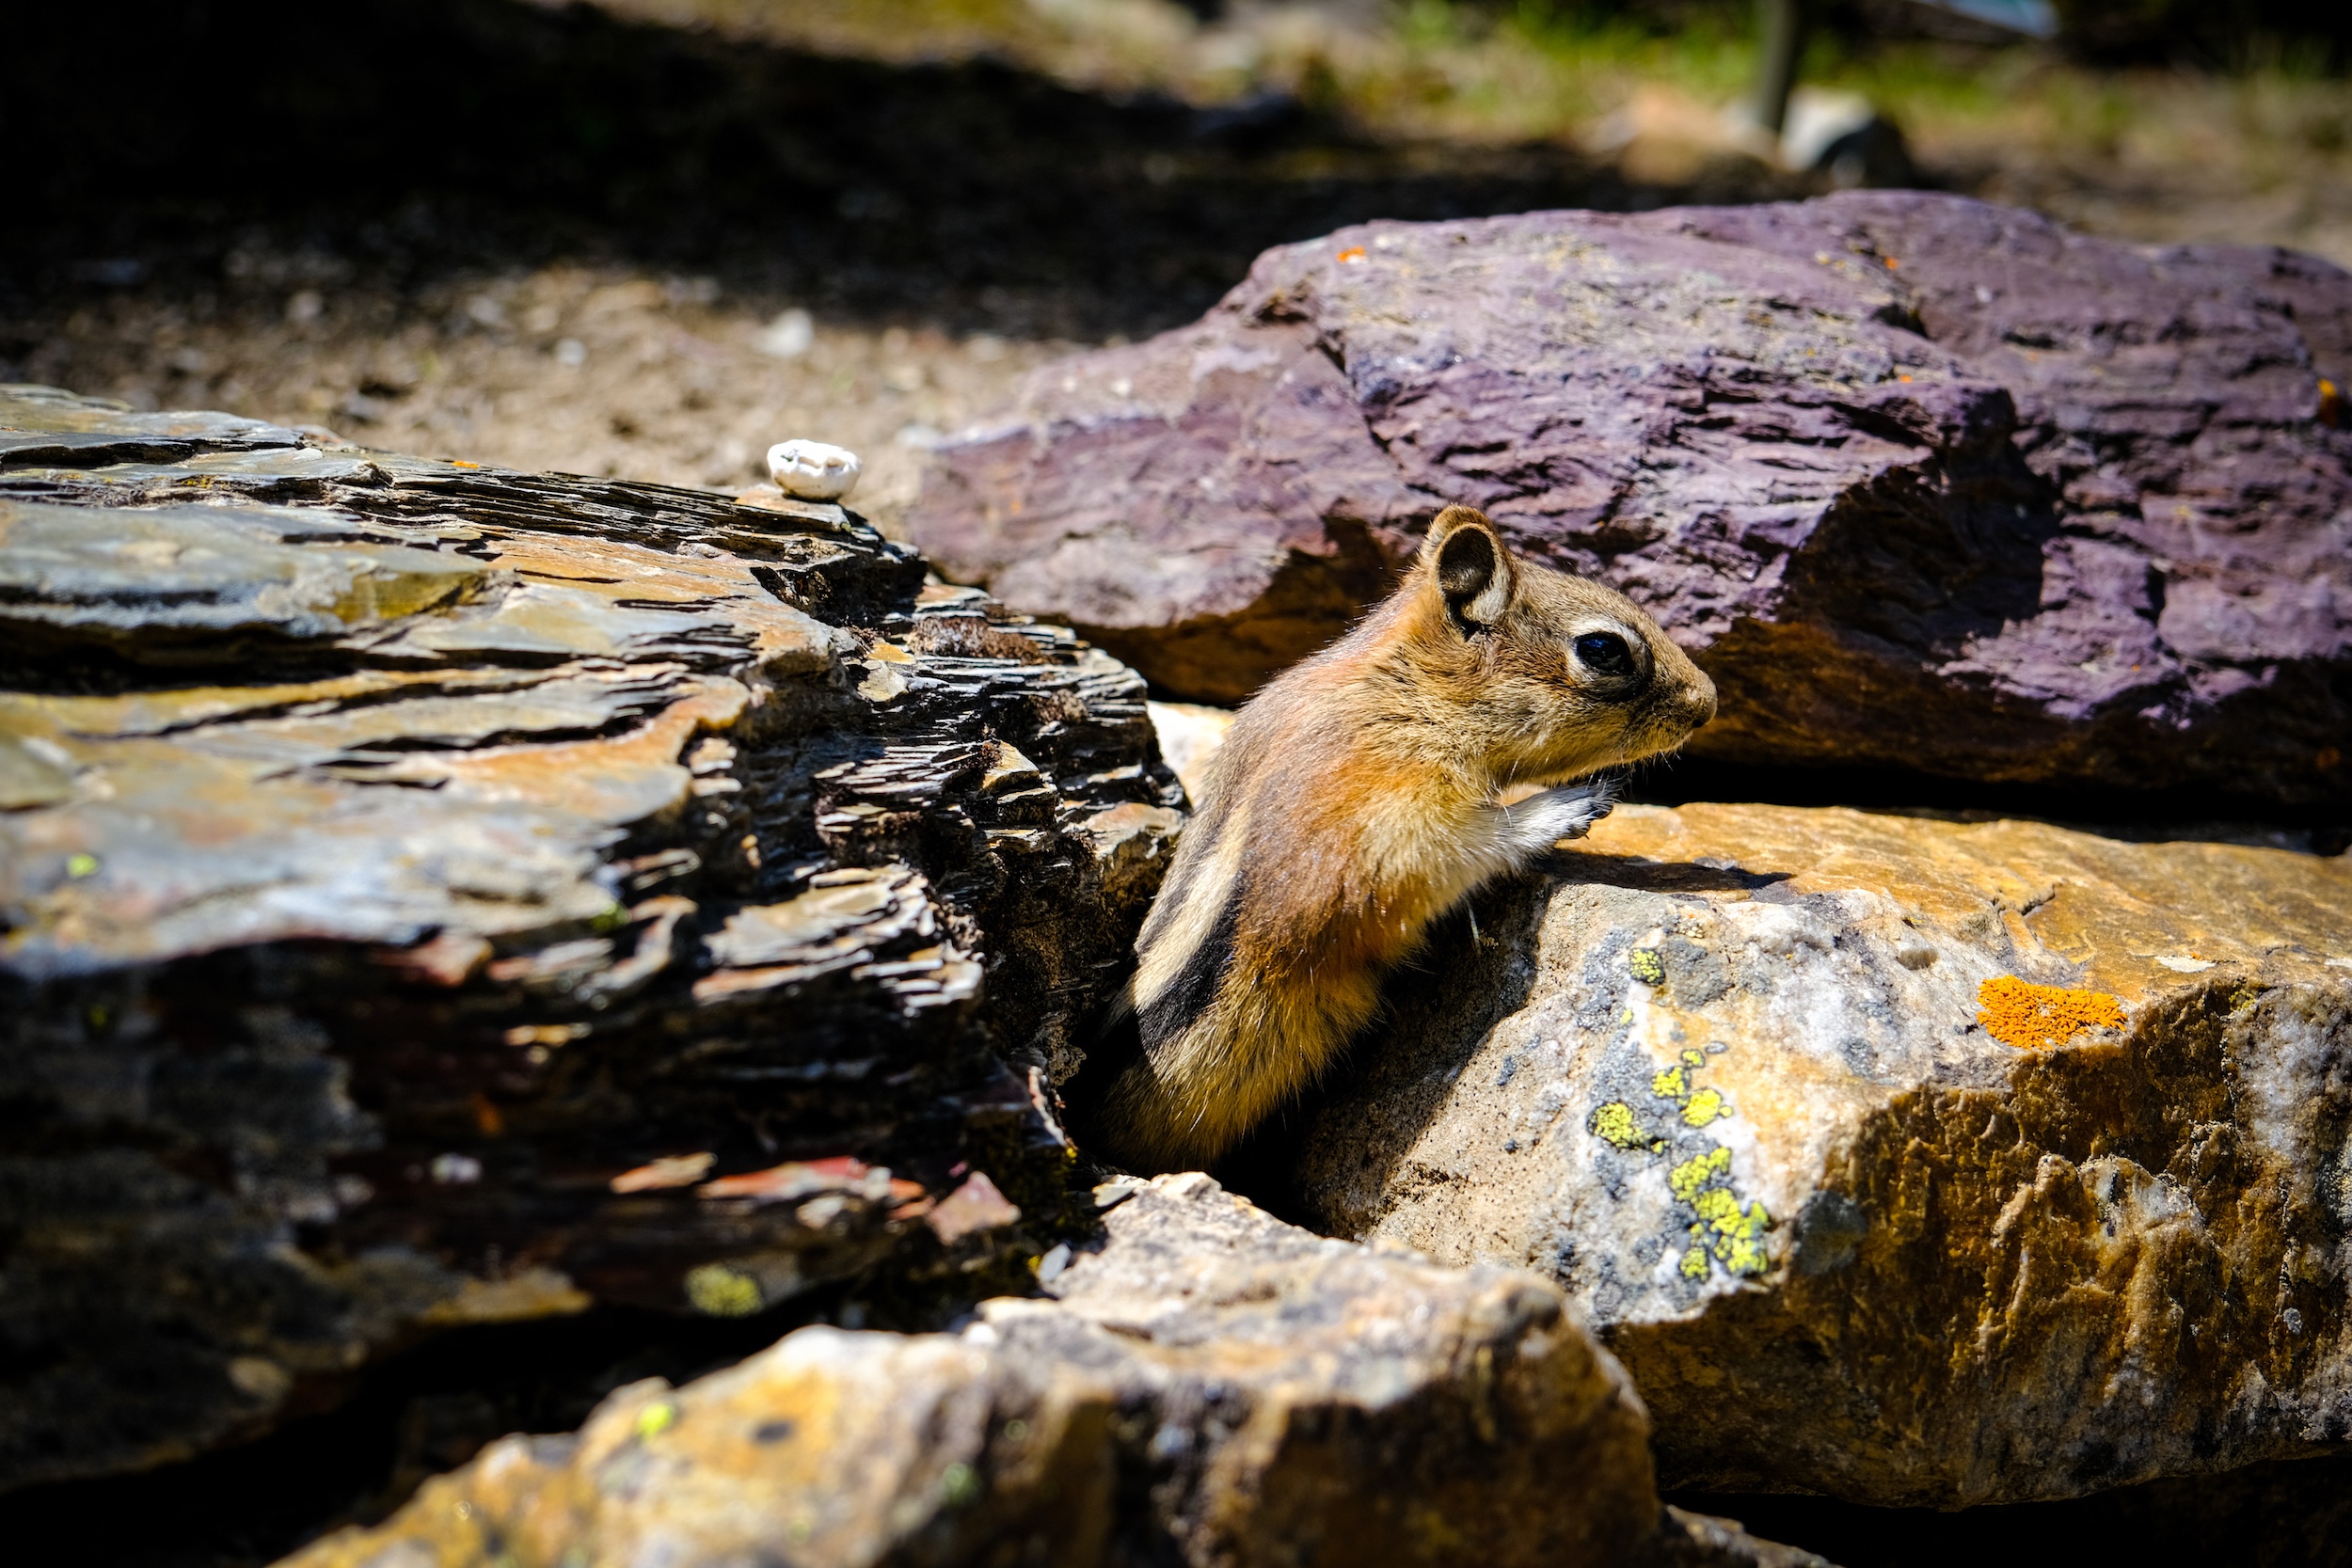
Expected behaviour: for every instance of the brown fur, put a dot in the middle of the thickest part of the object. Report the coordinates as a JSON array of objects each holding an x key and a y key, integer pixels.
[{"x": 1362, "y": 794}]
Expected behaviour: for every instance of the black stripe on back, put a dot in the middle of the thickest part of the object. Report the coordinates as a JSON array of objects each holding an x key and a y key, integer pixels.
[
  {"x": 1195, "y": 986},
  {"x": 1197, "y": 859}
]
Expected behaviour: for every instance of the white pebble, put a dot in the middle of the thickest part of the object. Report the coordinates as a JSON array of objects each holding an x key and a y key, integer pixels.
[
  {"x": 813, "y": 470},
  {"x": 788, "y": 336},
  {"x": 456, "y": 1170}
]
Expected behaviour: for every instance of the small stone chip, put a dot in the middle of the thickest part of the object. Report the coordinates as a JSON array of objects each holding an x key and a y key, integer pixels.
[{"x": 670, "y": 1170}]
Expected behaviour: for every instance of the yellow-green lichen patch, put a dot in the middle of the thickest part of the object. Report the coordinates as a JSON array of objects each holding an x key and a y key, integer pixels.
[
  {"x": 1744, "y": 1254},
  {"x": 1735, "y": 1232},
  {"x": 1698, "y": 1107},
  {"x": 1614, "y": 1123},
  {"x": 1646, "y": 966},
  {"x": 1686, "y": 1180},
  {"x": 1729, "y": 1231},
  {"x": 720, "y": 1291},
  {"x": 959, "y": 1485}
]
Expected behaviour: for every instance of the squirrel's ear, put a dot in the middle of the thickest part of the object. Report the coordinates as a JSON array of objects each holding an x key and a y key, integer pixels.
[{"x": 1469, "y": 565}]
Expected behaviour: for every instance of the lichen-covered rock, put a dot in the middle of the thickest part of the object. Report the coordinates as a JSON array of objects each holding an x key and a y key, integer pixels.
[
  {"x": 1209, "y": 1386},
  {"x": 1922, "y": 483},
  {"x": 1907, "y": 1160},
  {"x": 432, "y": 894}
]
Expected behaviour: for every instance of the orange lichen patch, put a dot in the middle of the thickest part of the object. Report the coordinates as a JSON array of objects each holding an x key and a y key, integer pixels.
[
  {"x": 2028, "y": 1016},
  {"x": 670, "y": 1170}
]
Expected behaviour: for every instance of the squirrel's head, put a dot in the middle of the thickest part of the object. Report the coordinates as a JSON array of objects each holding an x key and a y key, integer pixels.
[{"x": 1547, "y": 676}]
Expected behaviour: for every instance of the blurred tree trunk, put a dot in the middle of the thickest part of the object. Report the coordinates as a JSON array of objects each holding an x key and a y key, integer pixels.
[{"x": 1782, "y": 25}]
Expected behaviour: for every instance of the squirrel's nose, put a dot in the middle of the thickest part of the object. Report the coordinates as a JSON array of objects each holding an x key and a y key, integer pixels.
[{"x": 1698, "y": 703}]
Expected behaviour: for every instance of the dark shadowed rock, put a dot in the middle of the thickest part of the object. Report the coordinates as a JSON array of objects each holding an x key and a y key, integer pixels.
[
  {"x": 1210, "y": 1386},
  {"x": 1924, "y": 483},
  {"x": 435, "y": 896}
]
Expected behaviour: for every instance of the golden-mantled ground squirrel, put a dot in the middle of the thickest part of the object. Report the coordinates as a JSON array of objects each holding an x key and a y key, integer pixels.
[{"x": 1361, "y": 795}]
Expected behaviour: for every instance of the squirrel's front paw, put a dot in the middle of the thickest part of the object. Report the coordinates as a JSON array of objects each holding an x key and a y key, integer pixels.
[{"x": 1543, "y": 820}]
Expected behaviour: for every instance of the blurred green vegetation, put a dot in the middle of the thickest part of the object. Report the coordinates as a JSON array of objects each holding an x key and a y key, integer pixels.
[
  {"x": 2152, "y": 120},
  {"x": 1505, "y": 69}
]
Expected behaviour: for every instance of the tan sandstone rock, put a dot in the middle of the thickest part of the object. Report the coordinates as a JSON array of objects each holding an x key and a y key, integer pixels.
[
  {"x": 1210, "y": 1386},
  {"x": 1189, "y": 735},
  {"x": 1772, "y": 1093}
]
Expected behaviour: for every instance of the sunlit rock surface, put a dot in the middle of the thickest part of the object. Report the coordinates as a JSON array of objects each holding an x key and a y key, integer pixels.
[
  {"x": 1923, "y": 483},
  {"x": 1741, "y": 1079},
  {"x": 1208, "y": 1386},
  {"x": 432, "y": 894}
]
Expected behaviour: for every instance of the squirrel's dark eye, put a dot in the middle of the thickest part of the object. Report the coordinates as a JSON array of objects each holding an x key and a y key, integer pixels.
[{"x": 1604, "y": 652}]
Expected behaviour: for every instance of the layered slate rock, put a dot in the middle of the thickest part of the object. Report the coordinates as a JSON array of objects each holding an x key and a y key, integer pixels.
[
  {"x": 1207, "y": 1385},
  {"x": 1924, "y": 484},
  {"x": 1906, "y": 1160},
  {"x": 435, "y": 895}
]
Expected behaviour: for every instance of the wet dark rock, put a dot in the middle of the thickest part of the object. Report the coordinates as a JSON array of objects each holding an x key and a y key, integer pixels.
[
  {"x": 435, "y": 896},
  {"x": 1924, "y": 484}
]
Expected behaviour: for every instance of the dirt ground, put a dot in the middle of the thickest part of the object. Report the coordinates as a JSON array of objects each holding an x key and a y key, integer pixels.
[
  {"x": 863, "y": 222},
  {"x": 581, "y": 369}
]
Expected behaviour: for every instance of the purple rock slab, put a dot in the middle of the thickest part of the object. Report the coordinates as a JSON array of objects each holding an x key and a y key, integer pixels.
[{"x": 1924, "y": 484}]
